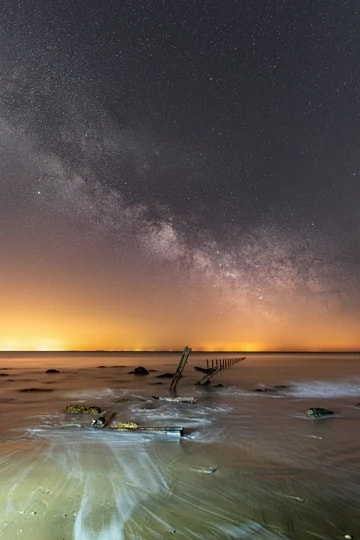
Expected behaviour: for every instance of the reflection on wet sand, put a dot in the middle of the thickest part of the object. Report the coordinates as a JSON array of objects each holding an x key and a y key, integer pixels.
[{"x": 249, "y": 464}]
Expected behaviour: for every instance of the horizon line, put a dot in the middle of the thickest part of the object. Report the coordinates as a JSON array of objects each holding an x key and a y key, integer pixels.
[{"x": 232, "y": 351}]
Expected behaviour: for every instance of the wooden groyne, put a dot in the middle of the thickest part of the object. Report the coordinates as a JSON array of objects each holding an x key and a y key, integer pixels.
[
  {"x": 179, "y": 371},
  {"x": 216, "y": 365},
  {"x": 223, "y": 363}
]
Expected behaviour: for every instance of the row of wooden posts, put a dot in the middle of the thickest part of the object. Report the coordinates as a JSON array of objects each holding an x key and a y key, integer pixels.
[
  {"x": 223, "y": 363},
  {"x": 216, "y": 366}
]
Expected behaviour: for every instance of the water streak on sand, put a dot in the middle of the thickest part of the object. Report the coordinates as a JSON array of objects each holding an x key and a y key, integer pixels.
[
  {"x": 248, "y": 466},
  {"x": 107, "y": 478}
]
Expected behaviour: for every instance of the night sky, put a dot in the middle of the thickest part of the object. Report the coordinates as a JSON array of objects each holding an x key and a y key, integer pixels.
[{"x": 180, "y": 173}]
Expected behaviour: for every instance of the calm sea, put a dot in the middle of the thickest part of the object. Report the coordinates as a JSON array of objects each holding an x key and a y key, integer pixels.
[{"x": 251, "y": 463}]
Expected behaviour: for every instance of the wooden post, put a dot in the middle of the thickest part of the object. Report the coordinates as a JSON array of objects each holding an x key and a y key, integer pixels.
[{"x": 180, "y": 368}]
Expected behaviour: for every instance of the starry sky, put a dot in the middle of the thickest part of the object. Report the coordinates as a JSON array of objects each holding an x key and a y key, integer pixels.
[{"x": 180, "y": 173}]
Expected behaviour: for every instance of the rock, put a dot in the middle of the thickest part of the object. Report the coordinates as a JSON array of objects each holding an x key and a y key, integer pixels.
[
  {"x": 318, "y": 412},
  {"x": 75, "y": 408},
  {"x": 140, "y": 371},
  {"x": 52, "y": 371},
  {"x": 124, "y": 426},
  {"x": 93, "y": 410},
  {"x": 208, "y": 470},
  {"x": 99, "y": 422},
  {"x": 78, "y": 408},
  {"x": 165, "y": 376}
]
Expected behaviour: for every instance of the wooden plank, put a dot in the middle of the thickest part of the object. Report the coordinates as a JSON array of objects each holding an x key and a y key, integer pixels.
[
  {"x": 170, "y": 430},
  {"x": 208, "y": 376},
  {"x": 178, "y": 399}
]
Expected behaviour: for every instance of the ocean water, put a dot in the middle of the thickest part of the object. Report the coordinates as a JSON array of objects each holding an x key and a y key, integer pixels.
[{"x": 250, "y": 464}]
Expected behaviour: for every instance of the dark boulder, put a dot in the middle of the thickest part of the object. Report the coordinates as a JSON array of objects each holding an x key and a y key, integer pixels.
[
  {"x": 140, "y": 371},
  {"x": 99, "y": 422},
  {"x": 52, "y": 371}
]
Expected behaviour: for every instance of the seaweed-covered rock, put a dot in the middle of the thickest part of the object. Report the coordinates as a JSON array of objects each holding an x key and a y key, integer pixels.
[
  {"x": 124, "y": 426},
  {"x": 75, "y": 408},
  {"x": 78, "y": 408},
  {"x": 93, "y": 410},
  {"x": 318, "y": 412}
]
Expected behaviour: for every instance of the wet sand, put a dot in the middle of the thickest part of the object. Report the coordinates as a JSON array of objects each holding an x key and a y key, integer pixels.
[
  {"x": 145, "y": 490},
  {"x": 249, "y": 465}
]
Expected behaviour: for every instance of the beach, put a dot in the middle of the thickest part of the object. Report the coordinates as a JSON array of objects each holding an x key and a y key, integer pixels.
[{"x": 250, "y": 464}]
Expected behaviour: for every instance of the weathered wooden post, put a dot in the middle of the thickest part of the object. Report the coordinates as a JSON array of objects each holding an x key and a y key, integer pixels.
[{"x": 180, "y": 368}]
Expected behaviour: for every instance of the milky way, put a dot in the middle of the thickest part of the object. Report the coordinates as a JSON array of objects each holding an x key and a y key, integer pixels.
[{"x": 180, "y": 174}]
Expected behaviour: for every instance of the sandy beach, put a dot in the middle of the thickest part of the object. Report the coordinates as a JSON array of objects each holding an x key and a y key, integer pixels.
[{"x": 250, "y": 464}]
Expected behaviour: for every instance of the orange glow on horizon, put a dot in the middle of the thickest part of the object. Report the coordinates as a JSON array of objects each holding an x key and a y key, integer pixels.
[
  {"x": 34, "y": 344},
  {"x": 90, "y": 325},
  {"x": 56, "y": 345}
]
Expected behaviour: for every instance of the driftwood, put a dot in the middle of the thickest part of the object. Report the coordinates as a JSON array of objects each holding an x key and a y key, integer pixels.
[
  {"x": 178, "y": 399},
  {"x": 164, "y": 430},
  {"x": 203, "y": 369},
  {"x": 208, "y": 376},
  {"x": 133, "y": 427}
]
